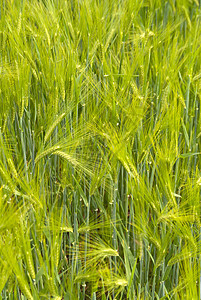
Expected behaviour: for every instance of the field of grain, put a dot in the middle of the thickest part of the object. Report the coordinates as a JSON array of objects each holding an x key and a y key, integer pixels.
[{"x": 100, "y": 144}]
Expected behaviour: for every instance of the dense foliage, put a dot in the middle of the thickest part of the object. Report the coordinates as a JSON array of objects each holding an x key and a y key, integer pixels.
[{"x": 100, "y": 140}]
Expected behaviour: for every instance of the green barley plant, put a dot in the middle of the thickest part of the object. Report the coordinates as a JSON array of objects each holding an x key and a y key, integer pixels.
[{"x": 100, "y": 149}]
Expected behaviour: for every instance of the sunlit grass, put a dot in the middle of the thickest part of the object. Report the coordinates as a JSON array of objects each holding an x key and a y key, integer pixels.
[{"x": 100, "y": 149}]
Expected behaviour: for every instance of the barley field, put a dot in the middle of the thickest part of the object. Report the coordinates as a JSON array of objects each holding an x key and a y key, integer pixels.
[{"x": 100, "y": 147}]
